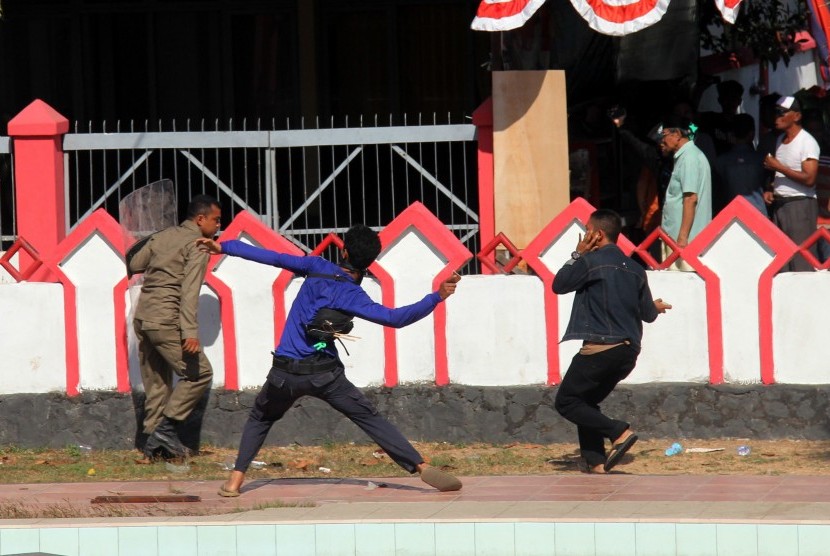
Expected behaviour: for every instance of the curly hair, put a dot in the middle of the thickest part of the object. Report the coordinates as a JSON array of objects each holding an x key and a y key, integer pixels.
[{"x": 363, "y": 246}]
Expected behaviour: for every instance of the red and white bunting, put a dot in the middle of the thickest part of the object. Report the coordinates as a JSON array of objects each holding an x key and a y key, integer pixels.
[
  {"x": 728, "y": 9},
  {"x": 504, "y": 15},
  {"x": 620, "y": 17},
  {"x": 609, "y": 17}
]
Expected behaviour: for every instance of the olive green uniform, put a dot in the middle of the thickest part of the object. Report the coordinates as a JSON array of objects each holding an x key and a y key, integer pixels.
[{"x": 174, "y": 269}]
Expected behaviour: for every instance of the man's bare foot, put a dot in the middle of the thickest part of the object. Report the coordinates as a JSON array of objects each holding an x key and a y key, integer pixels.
[{"x": 233, "y": 484}]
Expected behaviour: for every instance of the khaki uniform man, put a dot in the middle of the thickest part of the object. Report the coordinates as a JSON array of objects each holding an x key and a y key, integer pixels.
[{"x": 166, "y": 325}]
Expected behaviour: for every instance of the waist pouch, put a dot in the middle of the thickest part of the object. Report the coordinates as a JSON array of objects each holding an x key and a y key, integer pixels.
[
  {"x": 327, "y": 323},
  {"x": 313, "y": 365}
]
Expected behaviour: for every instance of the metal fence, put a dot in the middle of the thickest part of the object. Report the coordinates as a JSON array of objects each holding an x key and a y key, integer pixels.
[{"x": 304, "y": 183}]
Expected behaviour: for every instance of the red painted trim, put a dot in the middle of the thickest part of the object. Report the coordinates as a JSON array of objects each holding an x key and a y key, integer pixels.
[
  {"x": 579, "y": 210},
  {"x": 418, "y": 217},
  {"x": 33, "y": 260},
  {"x": 226, "y": 315},
  {"x": 251, "y": 226},
  {"x": 741, "y": 211},
  {"x": 486, "y": 252},
  {"x": 104, "y": 225},
  {"x": 70, "y": 325},
  {"x": 483, "y": 120},
  {"x": 390, "y": 337},
  {"x": 122, "y": 357}
]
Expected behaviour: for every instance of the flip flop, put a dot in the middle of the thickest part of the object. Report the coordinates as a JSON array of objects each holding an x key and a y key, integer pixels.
[
  {"x": 618, "y": 451},
  {"x": 228, "y": 493},
  {"x": 440, "y": 480}
]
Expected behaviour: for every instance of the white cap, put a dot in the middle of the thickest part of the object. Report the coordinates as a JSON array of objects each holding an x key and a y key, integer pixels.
[{"x": 789, "y": 103}]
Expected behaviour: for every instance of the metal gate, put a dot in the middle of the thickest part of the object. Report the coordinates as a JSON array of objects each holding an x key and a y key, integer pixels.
[{"x": 303, "y": 183}]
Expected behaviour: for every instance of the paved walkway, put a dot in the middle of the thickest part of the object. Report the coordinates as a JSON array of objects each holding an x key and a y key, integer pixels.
[{"x": 615, "y": 497}]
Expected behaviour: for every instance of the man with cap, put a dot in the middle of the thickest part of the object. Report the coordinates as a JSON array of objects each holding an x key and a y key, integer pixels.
[
  {"x": 306, "y": 361},
  {"x": 687, "y": 208},
  {"x": 793, "y": 193}
]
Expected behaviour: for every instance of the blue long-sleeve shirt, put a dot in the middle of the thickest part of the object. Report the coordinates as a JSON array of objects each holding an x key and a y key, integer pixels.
[{"x": 317, "y": 293}]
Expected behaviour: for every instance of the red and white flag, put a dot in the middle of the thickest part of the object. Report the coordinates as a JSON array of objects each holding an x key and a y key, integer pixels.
[
  {"x": 728, "y": 9},
  {"x": 621, "y": 17},
  {"x": 504, "y": 15}
]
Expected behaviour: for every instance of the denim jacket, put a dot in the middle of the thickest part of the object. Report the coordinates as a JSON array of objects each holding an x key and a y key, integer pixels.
[{"x": 612, "y": 297}]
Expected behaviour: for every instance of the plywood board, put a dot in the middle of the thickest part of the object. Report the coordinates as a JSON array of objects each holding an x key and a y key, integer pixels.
[{"x": 530, "y": 151}]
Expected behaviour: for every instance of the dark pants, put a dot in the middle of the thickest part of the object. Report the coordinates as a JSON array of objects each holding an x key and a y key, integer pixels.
[
  {"x": 589, "y": 380},
  {"x": 798, "y": 220},
  {"x": 282, "y": 389}
]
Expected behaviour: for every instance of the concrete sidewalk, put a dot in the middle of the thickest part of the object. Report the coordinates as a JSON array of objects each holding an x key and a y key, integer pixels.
[{"x": 614, "y": 497}]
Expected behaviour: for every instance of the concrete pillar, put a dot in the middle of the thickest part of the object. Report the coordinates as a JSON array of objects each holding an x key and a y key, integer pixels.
[{"x": 39, "y": 175}]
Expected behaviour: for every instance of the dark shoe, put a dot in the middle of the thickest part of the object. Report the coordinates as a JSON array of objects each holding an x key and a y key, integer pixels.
[
  {"x": 165, "y": 437},
  {"x": 618, "y": 451}
]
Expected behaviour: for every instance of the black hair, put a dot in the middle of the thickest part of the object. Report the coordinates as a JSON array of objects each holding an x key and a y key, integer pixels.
[
  {"x": 609, "y": 222},
  {"x": 200, "y": 204},
  {"x": 743, "y": 126},
  {"x": 363, "y": 246},
  {"x": 730, "y": 88}
]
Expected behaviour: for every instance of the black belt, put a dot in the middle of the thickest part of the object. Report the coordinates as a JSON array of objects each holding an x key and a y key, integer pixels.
[
  {"x": 781, "y": 201},
  {"x": 309, "y": 366}
]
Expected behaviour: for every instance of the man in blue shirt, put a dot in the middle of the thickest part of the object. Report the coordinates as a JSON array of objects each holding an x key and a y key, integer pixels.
[
  {"x": 740, "y": 171},
  {"x": 306, "y": 362},
  {"x": 612, "y": 300}
]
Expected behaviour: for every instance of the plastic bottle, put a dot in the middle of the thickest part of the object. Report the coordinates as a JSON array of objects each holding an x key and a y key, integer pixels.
[
  {"x": 674, "y": 449},
  {"x": 744, "y": 450},
  {"x": 84, "y": 450}
]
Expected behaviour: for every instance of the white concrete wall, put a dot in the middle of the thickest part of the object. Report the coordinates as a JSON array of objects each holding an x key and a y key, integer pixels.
[
  {"x": 496, "y": 325},
  {"x": 32, "y": 338}
]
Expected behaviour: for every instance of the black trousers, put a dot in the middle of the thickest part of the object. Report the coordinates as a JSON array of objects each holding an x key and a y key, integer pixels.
[
  {"x": 282, "y": 389},
  {"x": 589, "y": 380}
]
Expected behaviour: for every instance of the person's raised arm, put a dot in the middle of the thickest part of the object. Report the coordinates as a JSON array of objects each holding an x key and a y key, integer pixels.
[
  {"x": 358, "y": 303},
  {"x": 236, "y": 248}
]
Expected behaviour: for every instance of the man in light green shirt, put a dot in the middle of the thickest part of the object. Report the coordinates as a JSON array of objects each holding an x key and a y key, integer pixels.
[{"x": 688, "y": 205}]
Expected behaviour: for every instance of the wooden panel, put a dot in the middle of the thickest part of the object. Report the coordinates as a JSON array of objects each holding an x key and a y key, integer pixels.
[{"x": 530, "y": 151}]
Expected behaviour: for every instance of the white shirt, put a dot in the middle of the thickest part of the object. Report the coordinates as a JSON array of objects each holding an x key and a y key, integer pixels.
[{"x": 802, "y": 147}]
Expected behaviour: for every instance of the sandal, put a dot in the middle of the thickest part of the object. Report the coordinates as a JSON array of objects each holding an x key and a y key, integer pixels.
[
  {"x": 440, "y": 480},
  {"x": 618, "y": 451},
  {"x": 228, "y": 493}
]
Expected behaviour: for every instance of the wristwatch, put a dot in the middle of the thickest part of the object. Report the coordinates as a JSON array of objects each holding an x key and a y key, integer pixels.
[{"x": 575, "y": 255}]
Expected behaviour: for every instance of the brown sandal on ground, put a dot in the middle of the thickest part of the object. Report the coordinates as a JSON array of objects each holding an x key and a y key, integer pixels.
[
  {"x": 440, "y": 480},
  {"x": 228, "y": 493}
]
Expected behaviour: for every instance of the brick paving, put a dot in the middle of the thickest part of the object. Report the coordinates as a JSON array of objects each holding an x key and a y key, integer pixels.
[{"x": 614, "y": 497}]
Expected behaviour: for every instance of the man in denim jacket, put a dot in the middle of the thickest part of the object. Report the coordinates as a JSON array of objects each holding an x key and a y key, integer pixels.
[{"x": 612, "y": 301}]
